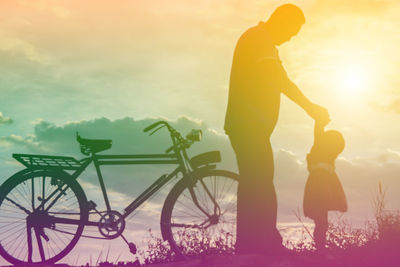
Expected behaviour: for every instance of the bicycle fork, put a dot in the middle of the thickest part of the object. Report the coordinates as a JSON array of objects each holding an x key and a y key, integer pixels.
[{"x": 213, "y": 219}]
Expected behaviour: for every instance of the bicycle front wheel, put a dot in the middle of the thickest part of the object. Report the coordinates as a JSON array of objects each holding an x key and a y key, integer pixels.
[
  {"x": 42, "y": 216},
  {"x": 201, "y": 219}
]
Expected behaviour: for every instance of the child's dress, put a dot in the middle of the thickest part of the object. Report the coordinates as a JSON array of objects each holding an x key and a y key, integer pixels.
[{"x": 323, "y": 191}]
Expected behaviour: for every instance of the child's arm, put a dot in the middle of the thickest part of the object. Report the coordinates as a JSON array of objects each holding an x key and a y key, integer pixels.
[{"x": 318, "y": 131}]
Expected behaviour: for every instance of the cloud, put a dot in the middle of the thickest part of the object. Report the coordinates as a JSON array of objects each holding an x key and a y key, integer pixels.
[
  {"x": 17, "y": 140},
  {"x": 5, "y": 120},
  {"x": 128, "y": 138},
  {"x": 359, "y": 175},
  {"x": 394, "y": 106},
  {"x": 360, "y": 7},
  {"x": 18, "y": 46},
  {"x": 127, "y": 134}
]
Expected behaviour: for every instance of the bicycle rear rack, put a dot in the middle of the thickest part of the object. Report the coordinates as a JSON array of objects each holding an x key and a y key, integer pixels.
[{"x": 48, "y": 162}]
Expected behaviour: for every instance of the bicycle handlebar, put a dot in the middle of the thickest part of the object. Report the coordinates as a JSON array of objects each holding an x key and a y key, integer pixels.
[
  {"x": 150, "y": 127},
  {"x": 178, "y": 141},
  {"x": 169, "y": 149}
]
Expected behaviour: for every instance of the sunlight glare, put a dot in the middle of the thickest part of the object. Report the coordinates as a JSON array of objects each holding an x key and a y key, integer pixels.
[{"x": 352, "y": 79}]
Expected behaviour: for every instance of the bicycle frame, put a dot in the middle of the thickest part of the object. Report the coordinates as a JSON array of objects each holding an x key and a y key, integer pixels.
[
  {"x": 136, "y": 159},
  {"x": 184, "y": 167},
  {"x": 180, "y": 157},
  {"x": 153, "y": 159}
]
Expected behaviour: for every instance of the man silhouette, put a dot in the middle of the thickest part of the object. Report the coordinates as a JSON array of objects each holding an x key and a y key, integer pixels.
[{"x": 257, "y": 80}]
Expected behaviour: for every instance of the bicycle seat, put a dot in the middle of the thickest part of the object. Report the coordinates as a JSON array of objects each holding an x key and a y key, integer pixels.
[{"x": 93, "y": 146}]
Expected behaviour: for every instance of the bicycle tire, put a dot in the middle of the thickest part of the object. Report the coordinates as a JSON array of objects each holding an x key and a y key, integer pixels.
[
  {"x": 213, "y": 240},
  {"x": 50, "y": 252}
]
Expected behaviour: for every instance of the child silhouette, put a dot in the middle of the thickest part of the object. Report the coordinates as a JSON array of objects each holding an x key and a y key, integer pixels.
[{"x": 323, "y": 191}]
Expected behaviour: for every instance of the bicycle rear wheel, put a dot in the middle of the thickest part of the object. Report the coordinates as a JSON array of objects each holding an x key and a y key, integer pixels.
[
  {"x": 191, "y": 232},
  {"x": 42, "y": 216}
]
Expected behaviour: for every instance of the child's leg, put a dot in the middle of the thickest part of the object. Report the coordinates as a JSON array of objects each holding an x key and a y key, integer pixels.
[{"x": 321, "y": 227}]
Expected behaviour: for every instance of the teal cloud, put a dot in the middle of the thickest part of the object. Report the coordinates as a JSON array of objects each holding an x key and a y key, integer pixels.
[
  {"x": 359, "y": 176},
  {"x": 128, "y": 138},
  {"x": 4, "y": 119}
]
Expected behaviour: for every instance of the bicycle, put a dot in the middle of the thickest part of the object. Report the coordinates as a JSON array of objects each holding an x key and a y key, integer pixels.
[{"x": 44, "y": 209}]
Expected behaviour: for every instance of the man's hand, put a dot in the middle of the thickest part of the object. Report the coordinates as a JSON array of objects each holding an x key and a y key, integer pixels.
[{"x": 319, "y": 114}]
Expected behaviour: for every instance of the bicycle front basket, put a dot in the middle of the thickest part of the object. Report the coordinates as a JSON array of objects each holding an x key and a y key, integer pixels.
[{"x": 48, "y": 162}]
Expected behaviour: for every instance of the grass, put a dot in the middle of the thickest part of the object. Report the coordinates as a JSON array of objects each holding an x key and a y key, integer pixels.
[{"x": 375, "y": 244}]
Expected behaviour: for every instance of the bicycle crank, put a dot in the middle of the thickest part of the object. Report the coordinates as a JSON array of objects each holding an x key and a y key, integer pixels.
[{"x": 111, "y": 224}]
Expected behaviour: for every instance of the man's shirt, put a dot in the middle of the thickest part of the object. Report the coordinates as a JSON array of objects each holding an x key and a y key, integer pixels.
[{"x": 257, "y": 77}]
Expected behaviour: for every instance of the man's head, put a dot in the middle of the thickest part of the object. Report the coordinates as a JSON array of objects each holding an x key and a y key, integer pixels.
[{"x": 285, "y": 23}]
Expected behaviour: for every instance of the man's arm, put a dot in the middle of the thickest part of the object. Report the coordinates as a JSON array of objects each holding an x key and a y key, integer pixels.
[
  {"x": 277, "y": 77},
  {"x": 293, "y": 93},
  {"x": 291, "y": 90}
]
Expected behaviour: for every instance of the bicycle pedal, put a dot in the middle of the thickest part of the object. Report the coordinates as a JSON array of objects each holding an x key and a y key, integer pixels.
[{"x": 132, "y": 248}]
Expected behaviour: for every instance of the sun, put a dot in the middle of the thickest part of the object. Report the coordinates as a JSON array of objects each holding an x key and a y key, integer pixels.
[{"x": 352, "y": 79}]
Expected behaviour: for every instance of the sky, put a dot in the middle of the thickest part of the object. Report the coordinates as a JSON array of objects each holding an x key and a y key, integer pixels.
[{"x": 109, "y": 68}]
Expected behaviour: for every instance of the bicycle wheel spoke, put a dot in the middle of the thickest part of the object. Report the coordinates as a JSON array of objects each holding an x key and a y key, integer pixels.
[
  {"x": 10, "y": 217},
  {"x": 26, "y": 191},
  {"x": 53, "y": 197},
  {"x": 17, "y": 205},
  {"x": 52, "y": 249},
  {"x": 36, "y": 236},
  {"x": 9, "y": 223},
  {"x": 197, "y": 214},
  {"x": 22, "y": 195},
  {"x": 56, "y": 243},
  {"x": 195, "y": 207},
  {"x": 204, "y": 197},
  {"x": 60, "y": 238},
  {"x": 11, "y": 211},
  {"x": 21, "y": 238},
  {"x": 190, "y": 232},
  {"x": 12, "y": 232}
]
